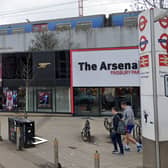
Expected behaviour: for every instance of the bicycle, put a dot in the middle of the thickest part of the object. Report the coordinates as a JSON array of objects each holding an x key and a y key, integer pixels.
[{"x": 85, "y": 133}]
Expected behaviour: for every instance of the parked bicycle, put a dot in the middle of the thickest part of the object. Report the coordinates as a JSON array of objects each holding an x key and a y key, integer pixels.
[
  {"x": 108, "y": 125},
  {"x": 85, "y": 133}
]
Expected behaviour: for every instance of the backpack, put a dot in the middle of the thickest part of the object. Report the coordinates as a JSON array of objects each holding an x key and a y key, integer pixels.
[{"x": 121, "y": 129}]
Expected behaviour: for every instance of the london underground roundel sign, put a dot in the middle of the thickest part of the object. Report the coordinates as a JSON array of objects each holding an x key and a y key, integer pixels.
[
  {"x": 142, "y": 23},
  {"x": 164, "y": 22},
  {"x": 163, "y": 40},
  {"x": 143, "y": 43}
]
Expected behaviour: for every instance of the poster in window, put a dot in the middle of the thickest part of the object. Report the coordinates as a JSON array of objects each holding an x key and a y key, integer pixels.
[
  {"x": 9, "y": 99},
  {"x": 44, "y": 99}
]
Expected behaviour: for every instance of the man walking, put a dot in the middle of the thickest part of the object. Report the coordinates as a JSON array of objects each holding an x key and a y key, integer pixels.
[{"x": 128, "y": 117}]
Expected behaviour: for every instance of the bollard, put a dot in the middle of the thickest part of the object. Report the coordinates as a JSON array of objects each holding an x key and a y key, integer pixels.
[
  {"x": 56, "y": 153},
  {"x": 18, "y": 139},
  {"x": 0, "y": 132},
  {"x": 97, "y": 160}
]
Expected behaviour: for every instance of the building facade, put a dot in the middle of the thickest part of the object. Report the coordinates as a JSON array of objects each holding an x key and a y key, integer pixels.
[
  {"x": 50, "y": 89},
  {"x": 79, "y": 82}
]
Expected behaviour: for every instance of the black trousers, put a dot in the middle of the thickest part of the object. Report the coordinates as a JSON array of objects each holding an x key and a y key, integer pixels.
[{"x": 116, "y": 139}]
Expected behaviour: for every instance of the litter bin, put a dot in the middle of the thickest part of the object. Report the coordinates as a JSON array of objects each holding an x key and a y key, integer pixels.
[{"x": 27, "y": 131}]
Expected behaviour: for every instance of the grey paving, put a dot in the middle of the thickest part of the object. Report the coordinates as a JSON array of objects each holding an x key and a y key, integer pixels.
[{"x": 73, "y": 152}]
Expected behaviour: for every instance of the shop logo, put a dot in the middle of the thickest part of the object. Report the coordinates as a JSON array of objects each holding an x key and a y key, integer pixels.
[
  {"x": 163, "y": 59},
  {"x": 164, "y": 22},
  {"x": 143, "y": 43},
  {"x": 118, "y": 66},
  {"x": 163, "y": 40},
  {"x": 85, "y": 66},
  {"x": 114, "y": 68},
  {"x": 142, "y": 23},
  {"x": 144, "y": 61}
]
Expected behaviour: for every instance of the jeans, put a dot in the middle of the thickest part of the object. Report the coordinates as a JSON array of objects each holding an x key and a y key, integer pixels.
[{"x": 116, "y": 138}]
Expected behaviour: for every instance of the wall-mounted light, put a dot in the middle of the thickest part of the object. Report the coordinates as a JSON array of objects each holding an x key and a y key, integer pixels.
[{"x": 43, "y": 65}]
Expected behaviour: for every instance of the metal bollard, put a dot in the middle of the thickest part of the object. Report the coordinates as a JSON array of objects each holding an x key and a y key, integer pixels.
[
  {"x": 56, "y": 153},
  {"x": 18, "y": 139},
  {"x": 97, "y": 160},
  {"x": 0, "y": 132}
]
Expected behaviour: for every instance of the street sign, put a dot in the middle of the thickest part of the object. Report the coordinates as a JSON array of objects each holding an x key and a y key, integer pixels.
[
  {"x": 143, "y": 43},
  {"x": 164, "y": 22},
  {"x": 142, "y": 23},
  {"x": 163, "y": 59},
  {"x": 163, "y": 41},
  {"x": 144, "y": 61}
]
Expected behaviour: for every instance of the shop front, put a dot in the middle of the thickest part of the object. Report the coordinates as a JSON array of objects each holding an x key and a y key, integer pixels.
[
  {"x": 102, "y": 78},
  {"x": 26, "y": 86}
]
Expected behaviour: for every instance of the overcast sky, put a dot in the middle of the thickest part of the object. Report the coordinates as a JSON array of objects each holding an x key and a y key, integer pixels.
[{"x": 14, "y": 11}]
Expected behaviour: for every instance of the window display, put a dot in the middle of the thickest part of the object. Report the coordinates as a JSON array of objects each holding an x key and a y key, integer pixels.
[
  {"x": 9, "y": 99},
  {"x": 44, "y": 99},
  {"x": 101, "y": 100}
]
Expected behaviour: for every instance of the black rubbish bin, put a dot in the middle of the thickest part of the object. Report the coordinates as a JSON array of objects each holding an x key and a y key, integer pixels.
[{"x": 27, "y": 131}]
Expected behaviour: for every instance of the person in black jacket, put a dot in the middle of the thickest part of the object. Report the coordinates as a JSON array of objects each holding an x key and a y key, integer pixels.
[{"x": 116, "y": 137}]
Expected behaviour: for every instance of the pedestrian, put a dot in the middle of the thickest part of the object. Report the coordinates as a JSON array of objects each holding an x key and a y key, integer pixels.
[
  {"x": 115, "y": 136},
  {"x": 128, "y": 116}
]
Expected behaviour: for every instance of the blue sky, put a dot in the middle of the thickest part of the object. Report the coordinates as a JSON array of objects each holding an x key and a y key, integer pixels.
[{"x": 14, "y": 11}]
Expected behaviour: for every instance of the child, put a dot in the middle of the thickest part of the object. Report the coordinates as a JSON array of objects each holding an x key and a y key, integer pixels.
[{"x": 116, "y": 137}]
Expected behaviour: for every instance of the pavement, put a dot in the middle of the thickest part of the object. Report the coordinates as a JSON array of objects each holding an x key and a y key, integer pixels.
[{"x": 73, "y": 152}]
